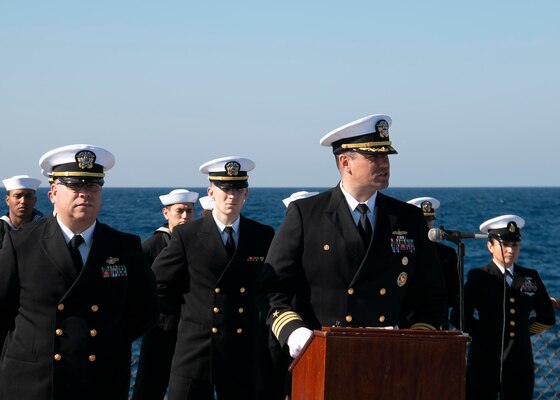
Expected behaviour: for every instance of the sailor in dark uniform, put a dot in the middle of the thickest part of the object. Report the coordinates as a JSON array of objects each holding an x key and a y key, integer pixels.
[
  {"x": 158, "y": 345},
  {"x": 352, "y": 256},
  {"x": 74, "y": 293},
  {"x": 20, "y": 199},
  {"x": 211, "y": 270},
  {"x": 447, "y": 256},
  {"x": 178, "y": 208},
  {"x": 505, "y": 304}
]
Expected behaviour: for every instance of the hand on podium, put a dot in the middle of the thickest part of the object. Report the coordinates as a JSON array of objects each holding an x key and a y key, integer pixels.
[{"x": 297, "y": 340}]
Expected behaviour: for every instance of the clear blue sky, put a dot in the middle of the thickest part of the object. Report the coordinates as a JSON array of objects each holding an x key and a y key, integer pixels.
[{"x": 473, "y": 87}]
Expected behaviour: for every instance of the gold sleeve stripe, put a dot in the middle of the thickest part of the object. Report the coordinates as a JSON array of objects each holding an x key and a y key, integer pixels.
[
  {"x": 537, "y": 327},
  {"x": 421, "y": 325},
  {"x": 282, "y": 320}
]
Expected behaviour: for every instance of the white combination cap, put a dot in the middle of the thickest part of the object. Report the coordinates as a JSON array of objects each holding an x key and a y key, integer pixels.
[
  {"x": 178, "y": 196},
  {"x": 505, "y": 227},
  {"x": 228, "y": 172},
  {"x": 21, "y": 182},
  {"x": 368, "y": 135},
  {"x": 76, "y": 161},
  {"x": 298, "y": 195}
]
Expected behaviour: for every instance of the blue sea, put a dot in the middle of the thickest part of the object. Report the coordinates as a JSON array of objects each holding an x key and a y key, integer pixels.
[{"x": 138, "y": 210}]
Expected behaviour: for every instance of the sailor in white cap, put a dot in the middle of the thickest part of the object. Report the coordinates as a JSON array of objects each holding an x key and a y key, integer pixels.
[
  {"x": 156, "y": 351},
  {"x": 303, "y": 194},
  {"x": 447, "y": 256},
  {"x": 207, "y": 204},
  {"x": 505, "y": 304},
  {"x": 20, "y": 199},
  {"x": 211, "y": 270},
  {"x": 343, "y": 245},
  {"x": 74, "y": 292}
]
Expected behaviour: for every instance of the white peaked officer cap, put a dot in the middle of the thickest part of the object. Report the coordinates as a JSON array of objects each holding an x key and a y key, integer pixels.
[
  {"x": 505, "y": 227},
  {"x": 178, "y": 196},
  {"x": 368, "y": 135},
  {"x": 77, "y": 162},
  {"x": 207, "y": 202},
  {"x": 428, "y": 205},
  {"x": 228, "y": 172},
  {"x": 21, "y": 182},
  {"x": 298, "y": 195}
]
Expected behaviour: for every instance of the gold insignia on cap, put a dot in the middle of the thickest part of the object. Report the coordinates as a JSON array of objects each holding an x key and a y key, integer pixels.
[
  {"x": 382, "y": 127},
  {"x": 401, "y": 280},
  {"x": 404, "y": 261},
  {"x": 232, "y": 168},
  {"x": 85, "y": 159},
  {"x": 426, "y": 206},
  {"x": 111, "y": 260},
  {"x": 511, "y": 226}
]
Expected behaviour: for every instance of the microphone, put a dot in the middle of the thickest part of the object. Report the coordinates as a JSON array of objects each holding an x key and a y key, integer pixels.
[{"x": 437, "y": 234}]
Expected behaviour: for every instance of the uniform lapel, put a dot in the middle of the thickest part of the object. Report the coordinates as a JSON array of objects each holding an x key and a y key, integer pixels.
[
  {"x": 98, "y": 253},
  {"x": 340, "y": 217},
  {"x": 338, "y": 212},
  {"x": 56, "y": 250},
  {"x": 384, "y": 223},
  {"x": 241, "y": 244},
  {"x": 211, "y": 239}
]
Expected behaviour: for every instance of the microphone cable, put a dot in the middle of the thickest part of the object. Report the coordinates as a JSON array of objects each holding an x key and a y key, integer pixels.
[{"x": 502, "y": 341}]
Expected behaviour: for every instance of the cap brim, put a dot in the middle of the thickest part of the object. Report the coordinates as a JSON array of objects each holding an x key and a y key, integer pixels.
[{"x": 231, "y": 185}]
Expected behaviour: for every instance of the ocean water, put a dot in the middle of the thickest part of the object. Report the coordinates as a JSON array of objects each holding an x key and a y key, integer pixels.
[{"x": 138, "y": 211}]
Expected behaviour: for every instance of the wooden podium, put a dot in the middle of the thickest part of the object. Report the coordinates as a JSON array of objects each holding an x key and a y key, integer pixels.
[{"x": 379, "y": 364}]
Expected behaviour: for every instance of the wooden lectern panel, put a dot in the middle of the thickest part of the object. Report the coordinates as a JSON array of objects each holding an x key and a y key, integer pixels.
[{"x": 357, "y": 363}]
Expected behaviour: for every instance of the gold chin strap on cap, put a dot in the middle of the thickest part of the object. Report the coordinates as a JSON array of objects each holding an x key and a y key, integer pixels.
[
  {"x": 364, "y": 146},
  {"x": 228, "y": 178}
]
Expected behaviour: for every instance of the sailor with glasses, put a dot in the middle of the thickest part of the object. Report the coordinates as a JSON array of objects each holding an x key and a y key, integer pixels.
[{"x": 74, "y": 292}]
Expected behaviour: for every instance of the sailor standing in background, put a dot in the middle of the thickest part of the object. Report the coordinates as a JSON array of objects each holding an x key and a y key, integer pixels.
[
  {"x": 178, "y": 208},
  {"x": 74, "y": 293},
  {"x": 211, "y": 270},
  {"x": 505, "y": 304},
  {"x": 207, "y": 204},
  {"x": 447, "y": 256},
  {"x": 158, "y": 345},
  {"x": 352, "y": 256},
  {"x": 21, "y": 196},
  {"x": 20, "y": 200}
]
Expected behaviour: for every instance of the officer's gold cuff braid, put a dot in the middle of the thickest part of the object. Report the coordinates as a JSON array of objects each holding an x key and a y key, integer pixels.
[
  {"x": 537, "y": 327},
  {"x": 282, "y": 319}
]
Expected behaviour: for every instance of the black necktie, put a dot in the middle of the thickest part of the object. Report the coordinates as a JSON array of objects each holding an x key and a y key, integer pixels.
[
  {"x": 364, "y": 226},
  {"x": 73, "y": 245},
  {"x": 510, "y": 276},
  {"x": 230, "y": 243}
]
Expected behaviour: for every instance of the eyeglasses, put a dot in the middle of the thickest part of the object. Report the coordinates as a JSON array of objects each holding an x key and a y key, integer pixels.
[{"x": 77, "y": 187}]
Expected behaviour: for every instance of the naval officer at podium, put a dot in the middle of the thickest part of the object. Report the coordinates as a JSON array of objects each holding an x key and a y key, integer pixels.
[{"x": 352, "y": 256}]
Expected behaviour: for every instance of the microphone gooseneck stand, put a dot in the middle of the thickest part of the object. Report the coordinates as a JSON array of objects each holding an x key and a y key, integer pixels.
[{"x": 460, "y": 273}]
